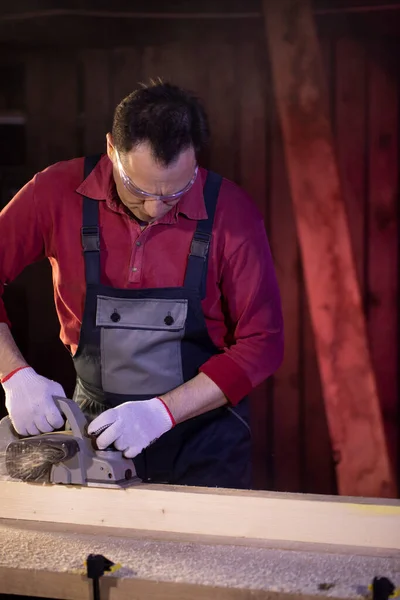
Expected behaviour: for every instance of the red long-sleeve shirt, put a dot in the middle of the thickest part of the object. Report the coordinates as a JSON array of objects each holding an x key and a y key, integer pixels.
[{"x": 242, "y": 308}]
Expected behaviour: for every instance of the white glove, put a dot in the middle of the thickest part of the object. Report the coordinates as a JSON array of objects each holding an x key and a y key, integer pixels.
[
  {"x": 132, "y": 426},
  {"x": 30, "y": 404}
]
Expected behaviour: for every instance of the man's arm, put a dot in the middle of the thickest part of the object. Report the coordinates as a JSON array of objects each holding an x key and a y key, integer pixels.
[
  {"x": 21, "y": 243},
  {"x": 252, "y": 300},
  {"x": 132, "y": 426},
  {"x": 193, "y": 398},
  {"x": 29, "y": 396},
  {"x": 10, "y": 356}
]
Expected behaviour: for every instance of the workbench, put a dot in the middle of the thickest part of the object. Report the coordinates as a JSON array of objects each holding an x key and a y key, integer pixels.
[{"x": 193, "y": 543}]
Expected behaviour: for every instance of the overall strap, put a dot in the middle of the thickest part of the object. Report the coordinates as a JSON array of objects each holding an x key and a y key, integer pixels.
[
  {"x": 90, "y": 232},
  {"x": 196, "y": 271}
]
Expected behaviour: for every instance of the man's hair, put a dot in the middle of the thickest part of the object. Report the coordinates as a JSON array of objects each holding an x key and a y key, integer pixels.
[{"x": 169, "y": 118}]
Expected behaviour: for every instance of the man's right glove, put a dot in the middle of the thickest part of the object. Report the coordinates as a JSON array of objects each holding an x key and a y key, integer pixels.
[{"x": 30, "y": 404}]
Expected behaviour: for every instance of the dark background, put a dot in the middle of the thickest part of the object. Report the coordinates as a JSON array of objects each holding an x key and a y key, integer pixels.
[{"x": 65, "y": 65}]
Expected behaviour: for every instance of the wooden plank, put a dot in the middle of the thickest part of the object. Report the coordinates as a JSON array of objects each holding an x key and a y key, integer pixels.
[
  {"x": 220, "y": 96},
  {"x": 319, "y": 466},
  {"x": 37, "y": 127},
  {"x": 199, "y": 511},
  {"x": 253, "y": 103},
  {"x": 52, "y": 127},
  {"x": 174, "y": 566},
  {"x": 174, "y": 62},
  {"x": 287, "y": 397},
  {"x": 62, "y": 107},
  {"x": 252, "y": 174},
  {"x": 350, "y": 133},
  {"x": 345, "y": 76},
  {"x": 383, "y": 241},
  {"x": 318, "y": 475},
  {"x": 127, "y": 72},
  {"x": 97, "y": 109},
  {"x": 177, "y": 63},
  {"x": 213, "y": 79},
  {"x": 72, "y": 586},
  {"x": 350, "y": 394},
  {"x": 52, "y": 98}
]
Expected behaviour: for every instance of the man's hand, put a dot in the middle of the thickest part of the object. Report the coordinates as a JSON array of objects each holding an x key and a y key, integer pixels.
[
  {"x": 30, "y": 404},
  {"x": 132, "y": 426}
]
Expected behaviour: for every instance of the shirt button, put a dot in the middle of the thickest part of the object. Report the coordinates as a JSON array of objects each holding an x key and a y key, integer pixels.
[
  {"x": 134, "y": 269},
  {"x": 138, "y": 243}
]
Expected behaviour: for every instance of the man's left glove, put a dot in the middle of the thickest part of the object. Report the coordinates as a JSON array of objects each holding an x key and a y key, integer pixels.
[{"x": 132, "y": 426}]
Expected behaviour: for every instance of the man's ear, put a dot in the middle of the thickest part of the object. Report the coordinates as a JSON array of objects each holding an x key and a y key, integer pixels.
[{"x": 110, "y": 147}]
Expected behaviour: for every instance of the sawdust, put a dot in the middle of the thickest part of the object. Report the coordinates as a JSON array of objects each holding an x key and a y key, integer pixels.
[
  {"x": 240, "y": 567},
  {"x": 33, "y": 462},
  {"x": 3, "y": 471}
]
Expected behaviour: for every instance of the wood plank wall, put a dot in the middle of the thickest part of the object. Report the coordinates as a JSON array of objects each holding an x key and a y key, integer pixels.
[{"x": 70, "y": 98}]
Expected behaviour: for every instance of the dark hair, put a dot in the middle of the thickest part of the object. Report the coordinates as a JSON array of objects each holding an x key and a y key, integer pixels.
[{"x": 169, "y": 118}]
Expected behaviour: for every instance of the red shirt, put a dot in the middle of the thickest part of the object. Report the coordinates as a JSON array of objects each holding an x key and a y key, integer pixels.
[{"x": 242, "y": 308}]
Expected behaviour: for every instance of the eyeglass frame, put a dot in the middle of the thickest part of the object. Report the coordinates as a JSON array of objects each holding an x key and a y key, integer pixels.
[{"x": 142, "y": 194}]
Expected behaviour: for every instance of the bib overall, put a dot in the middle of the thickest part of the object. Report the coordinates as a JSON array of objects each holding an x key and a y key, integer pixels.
[{"x": 139, "y": 343}]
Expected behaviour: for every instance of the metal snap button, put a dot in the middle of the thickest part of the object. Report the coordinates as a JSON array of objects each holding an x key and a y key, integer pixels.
[
  {"x": 115, "y": 317},
  {"x": 169, "y": 319}
]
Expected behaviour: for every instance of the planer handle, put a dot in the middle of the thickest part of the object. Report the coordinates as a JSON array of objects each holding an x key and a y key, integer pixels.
[{"x": 74, "y": 416}]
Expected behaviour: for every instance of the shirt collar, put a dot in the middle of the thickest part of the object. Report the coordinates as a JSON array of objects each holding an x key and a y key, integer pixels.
[{"x": 99, "y": 185}]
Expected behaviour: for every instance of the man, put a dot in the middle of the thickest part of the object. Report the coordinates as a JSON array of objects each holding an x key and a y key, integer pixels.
[{"x": 165, "y": 290}]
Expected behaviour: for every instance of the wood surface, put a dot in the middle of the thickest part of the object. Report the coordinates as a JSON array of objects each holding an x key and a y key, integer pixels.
[
  {"x": 126, "y": 73},
  {"x": 383, "y": 241},
  {"x": 48, "y": 560},
  {"x": 70, "y": 586},
  {"x": 252, "y": 173},
  {"x": 219, "y": 58},
  {"x": 96, "y": 109},
  {"x": 350, "y": 109},
  {"x": 210, "y": 512},
  {"x": 287, "y": 434},
  {"x": 318, "y": 459},
  {"x": 348, "y": 380}
]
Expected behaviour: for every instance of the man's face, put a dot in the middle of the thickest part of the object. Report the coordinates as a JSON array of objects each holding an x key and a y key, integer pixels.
[{"x": 136, "y": 172}]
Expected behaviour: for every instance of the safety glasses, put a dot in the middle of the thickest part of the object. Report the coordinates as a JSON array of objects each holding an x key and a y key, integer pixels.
[{"x": 139, "y": 193}]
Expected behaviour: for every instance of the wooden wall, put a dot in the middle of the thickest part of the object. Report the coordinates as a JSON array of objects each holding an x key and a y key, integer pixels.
[{"x": 69, "y": 99}]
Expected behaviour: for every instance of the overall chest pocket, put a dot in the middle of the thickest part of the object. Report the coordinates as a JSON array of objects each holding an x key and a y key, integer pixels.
[{"x": 141, "y": 344}]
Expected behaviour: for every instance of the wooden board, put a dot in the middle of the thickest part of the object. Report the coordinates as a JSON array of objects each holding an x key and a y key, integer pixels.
[
  {"x": 349, "y": 385},
  {"x": 383, "y": 241},
  {"x": 36, "y": 84},
  {"x": 52, "y": 108},
  {"x": 350, "y": 110},
  {"x": 70, "y": 586},
  {"x": 52, "y": 136},
  {"x": 219, "y": 94},
  {"x": 47, "y": 560},
  {"x": 127, "y": 73},
  {"x": 253, "y": 177},
  {"x": 287, "y": 381},
  {"x": 96, "y": 106},
  {"x": 210, "y": 512},
  {"x": 318, "y": 474}
]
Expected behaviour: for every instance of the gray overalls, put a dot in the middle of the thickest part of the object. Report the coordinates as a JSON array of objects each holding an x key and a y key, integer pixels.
[{"x": 139, "y": 343}]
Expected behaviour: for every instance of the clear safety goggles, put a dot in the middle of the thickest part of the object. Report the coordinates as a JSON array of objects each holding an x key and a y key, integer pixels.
[{"x": 139, "y": 193}]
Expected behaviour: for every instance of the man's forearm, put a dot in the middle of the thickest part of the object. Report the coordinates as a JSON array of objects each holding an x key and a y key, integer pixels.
[
  {"x": 194, "y": 398},
  {"x": 10, "y": 356}
]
